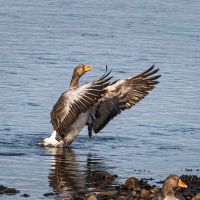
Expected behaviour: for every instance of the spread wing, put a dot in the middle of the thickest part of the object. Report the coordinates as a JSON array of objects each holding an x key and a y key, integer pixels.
[
  {"x": 122, "y": 95},
  {"x": 74, "y": 102}
]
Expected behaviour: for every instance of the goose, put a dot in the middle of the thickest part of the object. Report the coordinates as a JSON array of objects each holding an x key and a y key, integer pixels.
[
  {"x": 171, "y": 183},
  {"x": 94, "y": 104}
]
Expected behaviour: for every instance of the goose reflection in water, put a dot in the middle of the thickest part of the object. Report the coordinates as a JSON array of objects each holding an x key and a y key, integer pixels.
[{"x": 71, "y": 174}]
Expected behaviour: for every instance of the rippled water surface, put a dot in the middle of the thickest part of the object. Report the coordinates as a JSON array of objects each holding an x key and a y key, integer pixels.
[{"x": 41, "y": 42}]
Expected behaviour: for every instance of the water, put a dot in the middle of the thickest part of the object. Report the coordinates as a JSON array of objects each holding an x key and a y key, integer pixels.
[{"x": 41, "y": 42}]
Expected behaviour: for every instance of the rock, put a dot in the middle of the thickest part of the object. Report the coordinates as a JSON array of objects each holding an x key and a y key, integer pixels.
[
  {"x": 123, "y": 193},
  {"x": 92, "y": 197},
  {"x": 193, "y": 190},
  {"x": 196, "y": 197},
  {"x": 49, "y": 194},
  {"x": 123, "y": 198},
  {"x": 79, "y": 196},
  {"x": 132, "y": 183},
  {"x": 144, "y": 193},
  {"x": 101, "y": 177},
  {"x": 137, "y": 189},
  {"x": 154, "y": 190},
  {"x": 8, "y": 191},
  {"x": 134, "y": 193},
  {"x": 25, "y": 195}
]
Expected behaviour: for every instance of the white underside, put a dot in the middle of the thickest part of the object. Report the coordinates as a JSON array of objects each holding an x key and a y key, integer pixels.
[
  {"x": 70, "y": 136},
  {"x": 51, "y": 141}
]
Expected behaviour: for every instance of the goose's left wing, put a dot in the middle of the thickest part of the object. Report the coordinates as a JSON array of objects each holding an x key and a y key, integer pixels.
[{"x": 122, "y": 95}]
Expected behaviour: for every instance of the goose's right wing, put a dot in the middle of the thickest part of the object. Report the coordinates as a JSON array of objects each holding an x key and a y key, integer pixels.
[{"x": 74, "y": 102}]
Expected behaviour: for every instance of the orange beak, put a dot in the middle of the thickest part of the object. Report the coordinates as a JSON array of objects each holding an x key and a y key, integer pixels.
[
  {"x": 181, "y": 184},
  {"x": 87, "y": 68}
]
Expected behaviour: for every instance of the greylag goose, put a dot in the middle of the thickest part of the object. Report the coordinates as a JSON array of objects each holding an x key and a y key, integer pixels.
[
  {"x": 94, "y": 104},
  {"x": 172, "y": 183}
]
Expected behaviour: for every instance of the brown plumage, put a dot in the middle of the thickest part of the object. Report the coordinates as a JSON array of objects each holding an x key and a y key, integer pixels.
[
  {"x": 96, "y": 103},
  {"x": 122, "y": 95},
  {"x": 77, "y": 100},
  {"x": 170, "y": 189},
  {"x": 172, "y": 183}
]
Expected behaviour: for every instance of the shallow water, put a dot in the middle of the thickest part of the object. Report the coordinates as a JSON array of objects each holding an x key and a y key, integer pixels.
[{"x": 42, "y": 41}]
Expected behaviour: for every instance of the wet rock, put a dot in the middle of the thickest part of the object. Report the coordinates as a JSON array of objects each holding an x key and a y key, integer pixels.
[
  {"x": 144, "y": 193},
  {"x": 123, "y": 198},
  {"x": 196, "y": 197},
  {"x": 160, "y": 182},
  {"x": 101, "y": 177},
  {"x": 25, "y": 195},
  {"x": 155, "y": 193},
  {"x": 92, "y": 197},
  {"x": 122, "y": 193},
  {"x": 49, "y": 194},
  {"x": 79, "y": 196},
  {"x": 193, "y": 189},
  {"x": 107, "y": 195},
  {"x": 138, "y": 189},
  {"x": 8, "y": 191},
  {"x": 132, "y": 183},
  {"x": 188, "y": 170},
  {"x": 144, "y": 184},
  {"x": 154, "y": 190},
  {"x": 134, "y": 193},
  {"x": 105, "y": 176}
]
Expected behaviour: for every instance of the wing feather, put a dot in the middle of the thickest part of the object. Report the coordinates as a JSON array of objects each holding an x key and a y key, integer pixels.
[
  {"x": 122, "y": 95},
  {"x": 76, "y": 101}
]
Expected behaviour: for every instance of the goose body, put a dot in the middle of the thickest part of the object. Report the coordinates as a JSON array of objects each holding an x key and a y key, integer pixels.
[
  {"x": 75, "y": 129},
  {"x": 94, "y": 104},
  {"x": 171, "y": 184}
]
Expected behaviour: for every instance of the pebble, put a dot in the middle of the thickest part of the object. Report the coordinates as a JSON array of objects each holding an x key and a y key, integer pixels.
[
  {"x": 132, "y": 183},
  {"x": 7, "y": 190},
  {"x": 134, "y": 193},
  {"x": 197, "y": 197},
  {"x": 144, "y": 193},
  {"x": 25, "y": 195},
  {"x": 154, "y": 190},
  {"x": 92, "y": 197},
  {"x": 50, "y": 194}
]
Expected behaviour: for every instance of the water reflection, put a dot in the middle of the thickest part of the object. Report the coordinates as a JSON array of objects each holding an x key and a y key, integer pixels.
[{"x": 70, "y": 175}]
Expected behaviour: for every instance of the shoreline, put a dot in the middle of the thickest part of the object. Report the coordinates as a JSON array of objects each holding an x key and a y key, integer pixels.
[{"x": 131, "y": 189}]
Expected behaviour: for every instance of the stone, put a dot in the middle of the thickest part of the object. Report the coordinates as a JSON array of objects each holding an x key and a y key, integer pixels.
[
  {"x": 132, "y": 183},
  {"x": 7, "y": 190},
  {"x": 92, "y": 197},
  {"x": 144, "y": 193},
  {"x": 196, "y": 197},
  {"x": 25, "y": 195}
]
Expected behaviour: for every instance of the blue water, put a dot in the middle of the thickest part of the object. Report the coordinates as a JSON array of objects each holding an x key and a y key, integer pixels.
[{"x": 40, "y": 44}]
